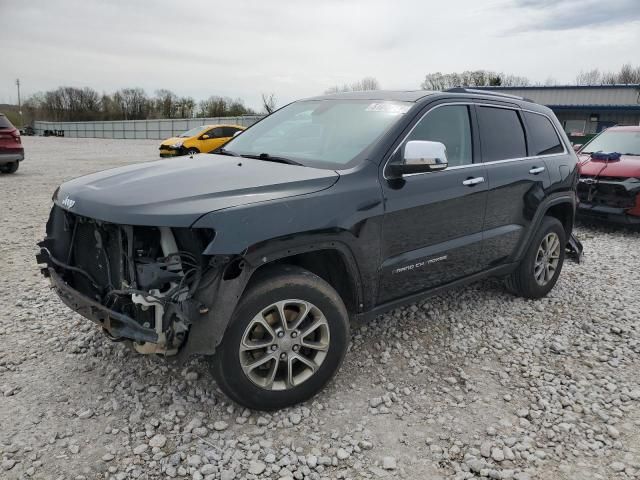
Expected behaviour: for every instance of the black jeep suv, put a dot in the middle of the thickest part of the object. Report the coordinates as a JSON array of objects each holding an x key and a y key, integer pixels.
[{"x": 330, "y": 208}]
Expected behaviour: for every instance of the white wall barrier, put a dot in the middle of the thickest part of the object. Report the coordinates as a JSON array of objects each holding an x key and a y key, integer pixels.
[{"x": 137, "y": 129}]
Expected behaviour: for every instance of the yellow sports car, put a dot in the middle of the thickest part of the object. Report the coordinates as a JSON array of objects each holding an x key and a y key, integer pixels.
[{"x": 198, "y": 140}]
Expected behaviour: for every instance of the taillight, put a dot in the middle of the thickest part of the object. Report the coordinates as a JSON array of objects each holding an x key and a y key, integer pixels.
[{"x": 16, "y": 137}]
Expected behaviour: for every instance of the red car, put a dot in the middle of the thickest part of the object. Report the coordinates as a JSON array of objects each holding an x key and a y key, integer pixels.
[
  {"x": 609, "y": 187},
  {"x": 11, "y": 150}
]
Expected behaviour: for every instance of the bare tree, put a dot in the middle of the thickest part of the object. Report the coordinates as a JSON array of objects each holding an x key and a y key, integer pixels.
[
  {"x": 589, "y": 77},
  {"x": 269, "y": 102},
  {"x": 627, "y": 74},
  {"x": 164, "y": 104},
  {"x": 471, "y": 78},
  {"x": 216, "y": 106},
  {"x": 366, "y": 84},
  {"x": 133, "y": 103}
]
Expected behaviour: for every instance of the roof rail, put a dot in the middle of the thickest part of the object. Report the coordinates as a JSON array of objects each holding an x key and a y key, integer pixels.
[{"x": 486, "y": 92}]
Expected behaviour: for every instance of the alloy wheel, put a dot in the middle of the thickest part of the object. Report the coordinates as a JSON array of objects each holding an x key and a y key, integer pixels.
[
  {"x": 547, "y": 259},
  {"x": 284, "y": 344}
]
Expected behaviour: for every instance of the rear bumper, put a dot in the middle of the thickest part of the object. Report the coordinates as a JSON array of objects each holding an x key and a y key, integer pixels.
[
  {"x": 116, "y": 324},
  {"x": 10, "y": 155},
  {"x": 607, "y": 214}
]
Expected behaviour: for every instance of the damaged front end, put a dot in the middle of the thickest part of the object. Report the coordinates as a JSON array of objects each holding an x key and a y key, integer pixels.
[
  {"x": 614, "y": 199},
  {"x": 142, "y": 284}
]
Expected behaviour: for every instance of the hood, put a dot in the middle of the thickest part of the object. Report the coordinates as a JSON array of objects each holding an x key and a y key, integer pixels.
[
  {"x": 172, "y": 140},
  {"x": 176, "y": 193},
  {"x": 627, "y": 166}
]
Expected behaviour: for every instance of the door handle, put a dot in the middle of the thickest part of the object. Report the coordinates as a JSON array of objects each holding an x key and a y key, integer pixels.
[
  {"x": 536, "y": 170},
  {"x": 470, "y": 182}
]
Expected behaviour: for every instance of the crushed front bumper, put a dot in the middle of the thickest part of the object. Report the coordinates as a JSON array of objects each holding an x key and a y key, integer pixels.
[
  {"x": 609, "y": 199},
  {"x": 116, "y": 324},
  {"x": 169, "y": 151},
  {"x": 607, "y": 214}
]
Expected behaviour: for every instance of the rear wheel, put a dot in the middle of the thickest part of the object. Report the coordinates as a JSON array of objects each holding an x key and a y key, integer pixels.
[
  {"x": 10, "y": 167},
  {"x": 286, "y": 340},
  {"x": 540, "y": 268}
]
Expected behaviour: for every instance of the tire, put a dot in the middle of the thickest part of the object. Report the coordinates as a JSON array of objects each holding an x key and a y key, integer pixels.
[
  {"x": 10, "y": 167},
  {"x": 253, "y": 388},
  {"x": 527, "y": 281},
  {"x": 192, "y": 151}
]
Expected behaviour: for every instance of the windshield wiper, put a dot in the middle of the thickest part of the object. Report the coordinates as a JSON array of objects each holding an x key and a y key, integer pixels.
[
  {"x": 634, "y": 154},
  {"x": 271, "y": 158},
  {"x": 224, "y": 151}
]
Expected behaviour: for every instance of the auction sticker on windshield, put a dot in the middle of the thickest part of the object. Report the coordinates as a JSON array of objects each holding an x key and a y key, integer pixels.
[{"x": 388, "y": 108}]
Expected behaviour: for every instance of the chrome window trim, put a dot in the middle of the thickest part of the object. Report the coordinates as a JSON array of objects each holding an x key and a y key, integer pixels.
[{"x": 493, "y": 162}]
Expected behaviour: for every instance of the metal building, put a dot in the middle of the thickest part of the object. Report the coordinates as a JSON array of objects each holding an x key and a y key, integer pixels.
[{"x": 585, "y": 110}]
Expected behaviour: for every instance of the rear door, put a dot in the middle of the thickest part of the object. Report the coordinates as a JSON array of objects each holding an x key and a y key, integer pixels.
[
  {"x": 517, "y": 180},
  {"x": 432, "y": 229}
]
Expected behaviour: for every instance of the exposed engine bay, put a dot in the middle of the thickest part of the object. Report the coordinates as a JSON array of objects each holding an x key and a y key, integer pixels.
[{"x": 138, "y": 283}]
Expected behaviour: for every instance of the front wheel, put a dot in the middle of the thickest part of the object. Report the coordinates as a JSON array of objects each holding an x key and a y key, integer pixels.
[
  {"x": 540, "y": 268},
  {"x": 286, "y": 340},
  {"x": 192, "y": 151},
  {"x": 10, "y": 167}
]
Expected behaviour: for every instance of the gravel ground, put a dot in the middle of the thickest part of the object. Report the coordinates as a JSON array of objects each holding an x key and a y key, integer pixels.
[{"x": 475, "y": 383}]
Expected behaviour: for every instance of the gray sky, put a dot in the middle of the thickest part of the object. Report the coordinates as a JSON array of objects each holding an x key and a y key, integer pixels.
[{"x": 298, "y": 48}]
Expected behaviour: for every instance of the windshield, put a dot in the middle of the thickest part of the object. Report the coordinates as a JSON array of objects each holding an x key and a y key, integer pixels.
[
  {"x": 627, "y": 143},
  {"x": 320, "y": 133},
  {"x": 193, "y": 132}
]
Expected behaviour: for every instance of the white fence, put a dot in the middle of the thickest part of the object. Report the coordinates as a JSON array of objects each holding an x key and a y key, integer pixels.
[{"x": 138, "y": 129}]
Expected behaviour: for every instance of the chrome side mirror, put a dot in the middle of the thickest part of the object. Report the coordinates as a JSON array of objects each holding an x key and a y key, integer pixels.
[{"x": 421, "y": 156}]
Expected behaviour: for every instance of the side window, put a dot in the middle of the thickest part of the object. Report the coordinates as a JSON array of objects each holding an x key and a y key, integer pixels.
[
  {"x": 449, "y": 125},
  {"x": 228, "y": 131},
  {"x": 215, "y": 132},
  {"x": 543, "y": 138},
  {"x": 501, "y": 134}
]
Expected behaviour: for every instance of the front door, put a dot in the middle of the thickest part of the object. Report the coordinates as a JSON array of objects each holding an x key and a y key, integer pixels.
[
  {"x": 216, "y": 138},
  {"x": 432, "y": 230}
]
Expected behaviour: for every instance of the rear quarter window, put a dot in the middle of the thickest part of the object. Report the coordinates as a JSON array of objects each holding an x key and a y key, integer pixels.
[
  {"x": 501, "y": 134},
  {"x": 543, "y": 138}
]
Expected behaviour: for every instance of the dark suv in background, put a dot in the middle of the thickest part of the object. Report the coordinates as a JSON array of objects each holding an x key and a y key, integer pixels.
[
  {"x": 11, "y": 150},
  {"x": 330, "y": 208}
]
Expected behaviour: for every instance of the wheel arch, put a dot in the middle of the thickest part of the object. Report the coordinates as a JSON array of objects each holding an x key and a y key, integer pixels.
[
  {"x": 564, "y": 212},
  {"x": 331, "y": 260},
  {"x": 562, "y": 207}
]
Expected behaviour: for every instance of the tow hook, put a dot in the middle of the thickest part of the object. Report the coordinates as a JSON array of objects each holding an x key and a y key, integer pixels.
[{"x": 574, "y": 248}]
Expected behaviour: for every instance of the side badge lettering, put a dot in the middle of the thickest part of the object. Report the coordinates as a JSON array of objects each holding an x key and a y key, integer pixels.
[{"x": 408, "y": 268}]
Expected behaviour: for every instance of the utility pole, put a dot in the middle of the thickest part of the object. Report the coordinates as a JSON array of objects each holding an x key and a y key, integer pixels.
[{"x": 19, "y": 103}]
